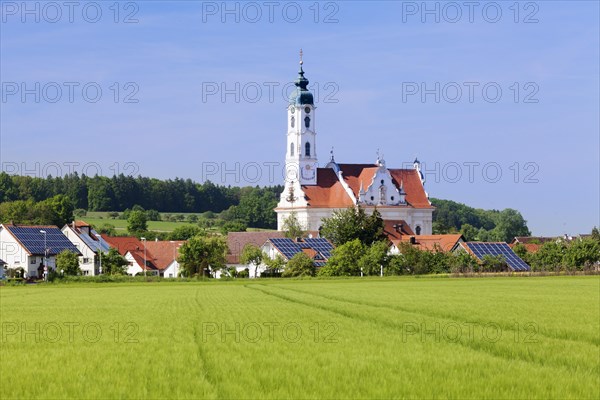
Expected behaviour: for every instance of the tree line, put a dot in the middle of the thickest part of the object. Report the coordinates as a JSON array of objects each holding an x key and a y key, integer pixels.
[
  {"x": 252, "y": 206},
  {"x": 476, "y": 224},
  {"x": 100, "y": 193}
]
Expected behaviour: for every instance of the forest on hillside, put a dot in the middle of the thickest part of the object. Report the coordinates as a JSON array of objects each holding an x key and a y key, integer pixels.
[{"x": 26, "y": 199}]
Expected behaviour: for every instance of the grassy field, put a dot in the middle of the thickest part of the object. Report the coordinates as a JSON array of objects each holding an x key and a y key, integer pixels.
[
  {"x": 121, "y": 224},
  {"x": 492, "y": 338}
]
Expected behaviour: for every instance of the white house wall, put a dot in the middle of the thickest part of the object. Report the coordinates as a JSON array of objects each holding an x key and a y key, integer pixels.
[{"x": 86, "y": 261}]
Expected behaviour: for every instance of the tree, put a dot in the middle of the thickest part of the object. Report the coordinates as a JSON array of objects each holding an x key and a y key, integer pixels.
[
  {"x": 253, "y": 255},
  {"x": 596, "y": 234},
  {"x": 510, "y": 223},
  {"x": 107, "y": 229},
  {"x": 375, "y": 258},
  {"x": 137, "y": 222},
  {"x": 520, "y": 250},
  {"x": 549, "y": 256},
  {"x": 185, "y": 232},
  {"x": 200, "y": 255},
  {"x": 193, "y": 218},
  {"x": 582, "y": 253},
  {"x": 490, "y": 263},
  {"x": 292, "y": 227},
  {"x": 275, "y": 265},
  {"x": 113, "y": 263},
  {"x": 68, "y": 263},
  {"x": 233, "y": 226},
  {"x": 152, "y": 215},
  {"x": 463, "y": 262},
  {"x": 113, "y": 215},
  {"x": 344, "y": 260},
  {"x": 353, "y": 223},
  {"x": 469, "y": 232},
  {"x": 299, "y": 265}
]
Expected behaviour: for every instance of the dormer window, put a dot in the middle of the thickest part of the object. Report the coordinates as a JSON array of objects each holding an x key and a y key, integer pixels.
[
  {"x": 307, "y": 149},
  {"x": 418, "y": 230},
  {"x": 307, "y": 122}
]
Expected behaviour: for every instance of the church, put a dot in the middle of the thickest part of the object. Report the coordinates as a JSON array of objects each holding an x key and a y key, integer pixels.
[{"x": 313, "y": 193}]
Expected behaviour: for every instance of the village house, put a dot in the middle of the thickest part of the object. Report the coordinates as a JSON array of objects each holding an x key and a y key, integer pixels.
[
  {"x": 89, "y": 243},
  {"x": 32, "y": 250}
]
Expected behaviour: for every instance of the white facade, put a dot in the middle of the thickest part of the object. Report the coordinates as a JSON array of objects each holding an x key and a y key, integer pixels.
[
  {"x": 301, "y": 174},
  {"x": 87, "y": 261},
  {"x": 16, "y": 256},
  {"x": 172, "y": 271}
]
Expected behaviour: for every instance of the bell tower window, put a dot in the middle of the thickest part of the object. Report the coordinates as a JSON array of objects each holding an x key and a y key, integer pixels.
[
  {"x": 307, "y": 149},
  {"x": 307, "y": 122},
  {"x": 293, "y": 121},
  {"x": 292, "y": 149}
]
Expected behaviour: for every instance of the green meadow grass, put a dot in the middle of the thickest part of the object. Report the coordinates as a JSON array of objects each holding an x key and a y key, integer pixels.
[
  {"x": 121, "y": 224},
  {"x": 494, "y": 338}
]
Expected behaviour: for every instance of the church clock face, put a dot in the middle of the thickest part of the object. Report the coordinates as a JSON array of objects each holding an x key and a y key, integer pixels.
[
  {"x": 308, "y": 172},
  {"x": 307, "y": 110},
  {"x": 292, "y": 109}
]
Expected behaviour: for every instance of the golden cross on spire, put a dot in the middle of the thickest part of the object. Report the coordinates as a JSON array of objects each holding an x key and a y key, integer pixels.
[{"x": 301, "y": 54}]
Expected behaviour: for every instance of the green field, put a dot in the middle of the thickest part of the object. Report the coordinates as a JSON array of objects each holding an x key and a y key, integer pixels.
[
  {"x": 495, "y": 338},
  {"x": 121, "y": 224}
]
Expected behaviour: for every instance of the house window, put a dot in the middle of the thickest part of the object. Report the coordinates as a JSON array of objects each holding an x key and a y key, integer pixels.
[
  {"x": 307, "y": 122},
  {"x": 86, "y": 260},
  {"x": 85, "y": 272},
  {"x": 292, "y": 149},
  {"x": 170, "y": 275},
  {"x": 307, "y": 149},
  {"x": 32, "y": 261},
  {"x": 418, "y": 230}
]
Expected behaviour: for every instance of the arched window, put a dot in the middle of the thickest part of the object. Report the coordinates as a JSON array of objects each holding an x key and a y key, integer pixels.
[
  {"x": 292, "y": 149},
  {"x": 418, "y": 230},
  {"x": 307, "y": 149},
  {"x": 293, "y": 121},
  {"x": 307, "y": 122}
]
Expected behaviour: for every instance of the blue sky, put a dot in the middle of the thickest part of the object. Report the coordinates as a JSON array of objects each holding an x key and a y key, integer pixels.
[{"x": 534, "y": 147}]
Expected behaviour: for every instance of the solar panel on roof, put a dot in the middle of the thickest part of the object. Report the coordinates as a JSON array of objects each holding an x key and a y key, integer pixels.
[
  {"x": 494, "y": 249},
  {"x": 287, "y": 247},
  {"x": 321, "y": 245},
  {"x": 34, "y": 240}
]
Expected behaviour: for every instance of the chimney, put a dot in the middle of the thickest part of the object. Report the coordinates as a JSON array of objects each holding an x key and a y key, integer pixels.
[{"x": 412, "y": 240}]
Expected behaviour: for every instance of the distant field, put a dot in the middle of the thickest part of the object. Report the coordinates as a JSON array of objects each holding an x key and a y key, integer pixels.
[
  {"x": 99, "y": 218},
  {"x": 494, "y": 338},
  {"x": 121, "y": 224}
]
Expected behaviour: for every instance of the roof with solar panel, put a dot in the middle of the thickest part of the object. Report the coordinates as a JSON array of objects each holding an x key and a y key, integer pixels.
[
  {"x": 481, "y": 249},
  {"x": 319, "y": 249},
  {"x": 35, "y": 239}
]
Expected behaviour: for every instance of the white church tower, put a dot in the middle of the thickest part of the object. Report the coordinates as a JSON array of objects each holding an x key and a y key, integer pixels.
[{"x": 301, "y": 154}]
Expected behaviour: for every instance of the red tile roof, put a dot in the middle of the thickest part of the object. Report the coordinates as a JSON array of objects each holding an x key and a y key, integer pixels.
[
  {"x": 330, "y": 193},
  {"x": 432, "y": 242},
  {"x": 396, "y": 233},
  {"x": 530, "y": 247},
  {"x": 138, "y": 256},
  {"x": 123, "y": 244},
  {"x": 415, "y": 192},
  {"x": 163, "y": 252}
]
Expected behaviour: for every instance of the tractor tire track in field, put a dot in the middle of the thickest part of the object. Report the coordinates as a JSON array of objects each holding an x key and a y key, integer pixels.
[
  {"x": 206, "y": 367},
  {"x": 503, "y": 326},
  {"x": 482, "y": 347}
]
